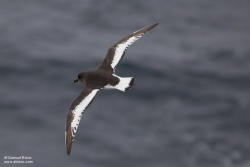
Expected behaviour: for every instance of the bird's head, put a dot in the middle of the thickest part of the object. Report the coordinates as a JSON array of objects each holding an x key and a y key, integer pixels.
[{"x": 80, "y": 78}]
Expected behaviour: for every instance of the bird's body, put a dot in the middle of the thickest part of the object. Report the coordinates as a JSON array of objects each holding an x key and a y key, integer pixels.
[{"x": 101, "y": 78}]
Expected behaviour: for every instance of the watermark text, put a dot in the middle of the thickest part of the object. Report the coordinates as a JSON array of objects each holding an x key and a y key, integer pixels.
[{"x": 17, "y": 160}]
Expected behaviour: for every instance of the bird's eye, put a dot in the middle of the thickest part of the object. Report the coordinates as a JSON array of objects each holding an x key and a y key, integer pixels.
[{"x": 79, "y": 76}]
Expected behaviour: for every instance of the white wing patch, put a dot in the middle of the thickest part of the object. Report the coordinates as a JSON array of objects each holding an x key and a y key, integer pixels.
[
  {"x": 121, "y": 48},
  {"x": 79, "y": 109}
]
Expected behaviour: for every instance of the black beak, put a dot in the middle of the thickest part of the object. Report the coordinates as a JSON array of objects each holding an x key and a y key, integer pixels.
[{"x": 75, "y": 80}]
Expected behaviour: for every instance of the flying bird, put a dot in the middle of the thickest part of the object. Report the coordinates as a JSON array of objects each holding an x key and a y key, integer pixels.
[{"x": 103, "y": 77}]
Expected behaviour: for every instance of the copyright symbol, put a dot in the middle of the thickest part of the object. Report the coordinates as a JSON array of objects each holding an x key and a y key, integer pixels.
[{"x": 5, "y": 157}]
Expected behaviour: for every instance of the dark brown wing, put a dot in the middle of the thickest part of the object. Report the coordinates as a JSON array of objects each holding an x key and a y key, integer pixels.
[
  {"x": 77, "y": 107},
  {"x": 117, "y": 51}
]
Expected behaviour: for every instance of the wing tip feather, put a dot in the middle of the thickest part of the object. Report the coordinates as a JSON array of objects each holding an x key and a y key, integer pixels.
[{"x": 145, "y": 29}]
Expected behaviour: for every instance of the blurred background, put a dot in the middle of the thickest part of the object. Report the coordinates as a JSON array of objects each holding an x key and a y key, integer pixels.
[{"x": 190, "y": 103}]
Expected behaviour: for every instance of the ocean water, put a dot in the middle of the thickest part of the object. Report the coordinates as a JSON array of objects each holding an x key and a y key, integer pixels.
[{"x": 189, "y": 106}]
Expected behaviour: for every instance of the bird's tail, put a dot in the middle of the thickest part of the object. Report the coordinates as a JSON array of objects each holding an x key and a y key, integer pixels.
[{"x": 125, "y": 83}]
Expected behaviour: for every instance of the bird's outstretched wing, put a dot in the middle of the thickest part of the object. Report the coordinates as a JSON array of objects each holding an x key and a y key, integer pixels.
[
  {"x": 117, "y": 51},
  {"x": 77, "y": 107}
]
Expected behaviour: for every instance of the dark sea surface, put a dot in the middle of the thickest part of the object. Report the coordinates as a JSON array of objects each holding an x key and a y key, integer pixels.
[{"x": 189, "y": 107}]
